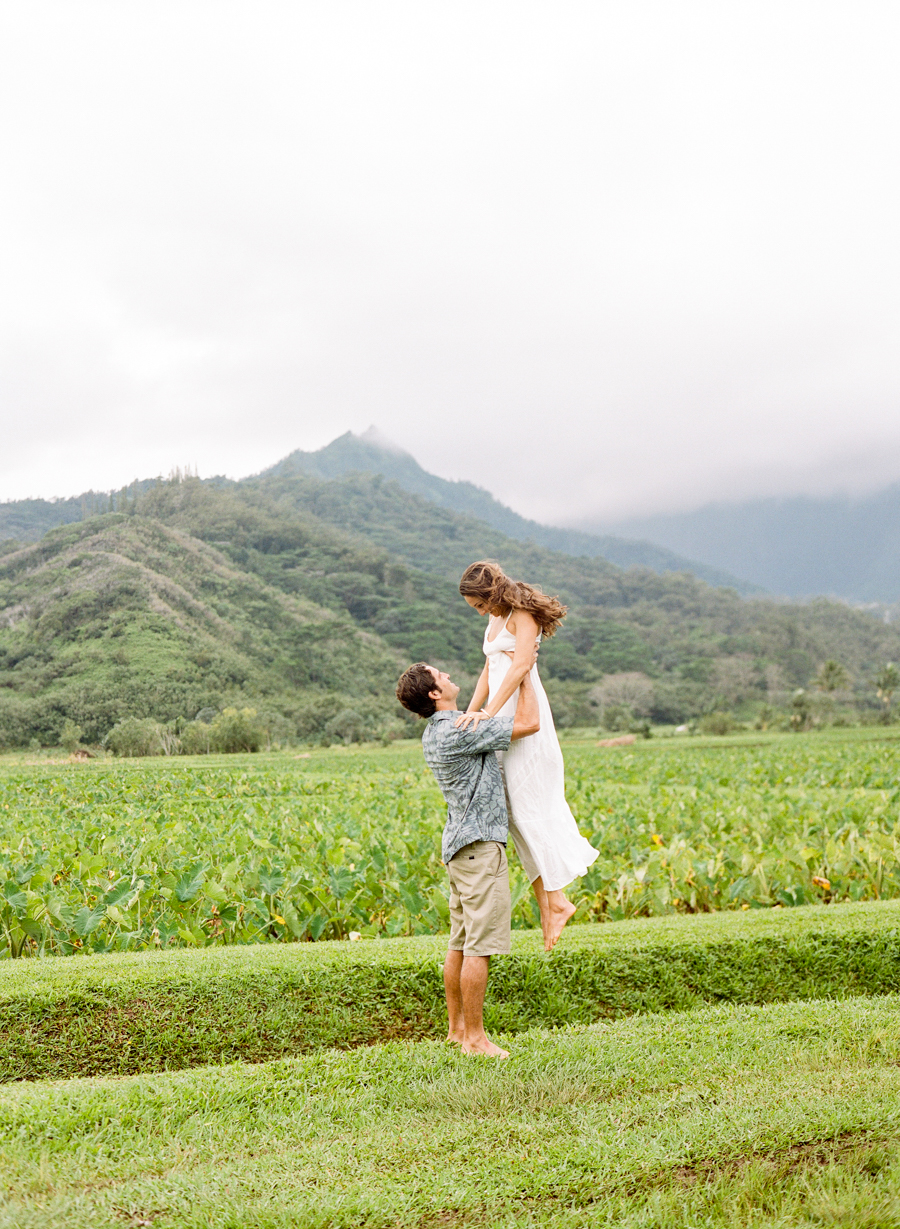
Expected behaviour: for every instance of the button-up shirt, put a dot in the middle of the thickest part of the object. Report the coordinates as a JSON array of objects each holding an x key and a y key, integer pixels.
[{"x": 468, "y": 774}]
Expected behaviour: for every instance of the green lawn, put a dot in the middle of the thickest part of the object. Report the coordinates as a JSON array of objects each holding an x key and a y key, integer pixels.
[{"x": 777, "y": 1115}]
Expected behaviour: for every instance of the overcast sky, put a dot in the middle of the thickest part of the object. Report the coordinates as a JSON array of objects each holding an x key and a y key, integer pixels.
[{"x": 601, "y": 258}]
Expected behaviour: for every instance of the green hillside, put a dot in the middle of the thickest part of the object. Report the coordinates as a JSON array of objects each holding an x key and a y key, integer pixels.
[
  {"x": 125, "y": 614},
  {"x": 704, "y": 647},
  {"x": 27, "y": 520},
  {"x": 303, "y": 598}
]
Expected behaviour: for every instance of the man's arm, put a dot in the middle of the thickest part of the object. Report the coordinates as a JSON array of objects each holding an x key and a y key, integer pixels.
[{"x": 527, "y": 719}]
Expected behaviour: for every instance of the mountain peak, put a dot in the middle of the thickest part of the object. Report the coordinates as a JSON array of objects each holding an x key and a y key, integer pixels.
[
  {"x": 370, "y": 452},
  {"x": 377, "y": 439}
]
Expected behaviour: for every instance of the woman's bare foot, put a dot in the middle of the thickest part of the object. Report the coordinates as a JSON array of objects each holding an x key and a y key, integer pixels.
[
  {"x": 484, "y": 1045},
  {"x": 560, "y": 911}
]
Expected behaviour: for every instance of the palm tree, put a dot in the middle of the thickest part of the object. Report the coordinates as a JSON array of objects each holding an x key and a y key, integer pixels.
[
  {"x": 832, "y": 676},
  {"x": 886, "y": 683}
]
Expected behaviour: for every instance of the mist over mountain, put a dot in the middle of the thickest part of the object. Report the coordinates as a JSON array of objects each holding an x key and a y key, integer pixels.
[
  {"x": 27, "y": 520},
  {"x": 839, "y": 546},
  {"x": 372, "y": 453}
]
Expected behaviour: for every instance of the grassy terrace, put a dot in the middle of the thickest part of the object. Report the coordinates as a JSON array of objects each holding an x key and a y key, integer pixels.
[
  {"x": 127, "y": 1013},
  {"x": 762, "y": 1116}
]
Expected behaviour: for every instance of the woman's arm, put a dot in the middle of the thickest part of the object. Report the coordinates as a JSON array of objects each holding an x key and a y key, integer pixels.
[
  {"x": 528, "y": 716},
  {"x": 523, "y": 659},
  {"x": 481, "y": 692},
  {"x": 526, "y": 710}
]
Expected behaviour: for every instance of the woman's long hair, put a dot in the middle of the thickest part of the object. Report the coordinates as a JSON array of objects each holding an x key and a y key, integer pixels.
[{"x": 487, "y": 581}]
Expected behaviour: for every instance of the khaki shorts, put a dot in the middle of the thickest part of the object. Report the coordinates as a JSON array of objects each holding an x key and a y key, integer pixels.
[{"x": 479, "y": 900}]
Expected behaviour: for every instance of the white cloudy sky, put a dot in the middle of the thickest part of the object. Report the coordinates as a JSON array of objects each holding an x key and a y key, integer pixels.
[{"x": 600, "y": 257}]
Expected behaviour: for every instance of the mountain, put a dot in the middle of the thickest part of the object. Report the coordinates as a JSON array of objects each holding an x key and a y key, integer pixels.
[
  {"x": 27, "y": 520},
  {"x": 304, "y": 597},
  {"x": 849, "y": 548},
  {"x": 127, "y": 614},
  {"x": 371, "y": 453},
  {"x": 698, "y": 642}
]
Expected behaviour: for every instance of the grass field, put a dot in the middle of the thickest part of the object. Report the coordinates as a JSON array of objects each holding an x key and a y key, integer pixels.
[
  {"x": 767, "y": 1116},
  {"x": 119, "y": 856},
  {"x": 713, "y": 1061}
]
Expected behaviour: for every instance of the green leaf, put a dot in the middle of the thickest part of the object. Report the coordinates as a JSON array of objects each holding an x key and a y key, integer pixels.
[
  {"x": 340, "y": 882},
  {"x": 259, "y": 907},
  {"x": 295, "y": 925},
  {"x": 271, "y": 881},
  {"x": 190, "y": 882},
  {"x": 87, "y": 920},
  {"x": 118, "y": 892},
  {"x": 29, "y": 871},
  {"x": 61, "y": 913},
  {"x": 18, "y": 900}
]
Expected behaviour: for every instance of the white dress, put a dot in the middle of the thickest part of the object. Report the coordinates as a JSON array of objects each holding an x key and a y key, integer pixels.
[{"x": 541, "y": 824}]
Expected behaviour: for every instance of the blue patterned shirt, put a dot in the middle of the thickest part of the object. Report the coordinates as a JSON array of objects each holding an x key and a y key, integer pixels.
[{"x": 468, "y": 774}]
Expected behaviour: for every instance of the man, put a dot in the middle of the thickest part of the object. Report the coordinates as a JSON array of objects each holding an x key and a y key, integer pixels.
[{"x": 473, "y": 847}]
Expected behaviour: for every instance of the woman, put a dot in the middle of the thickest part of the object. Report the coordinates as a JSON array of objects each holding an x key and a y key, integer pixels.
[{"x": 542, "y": 827}]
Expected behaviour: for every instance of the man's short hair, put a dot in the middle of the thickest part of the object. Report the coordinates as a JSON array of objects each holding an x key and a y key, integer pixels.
[{"x": 413, "y": 688}]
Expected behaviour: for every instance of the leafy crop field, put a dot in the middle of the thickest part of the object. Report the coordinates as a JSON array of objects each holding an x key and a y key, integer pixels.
[{"x": 131, "y": 856}]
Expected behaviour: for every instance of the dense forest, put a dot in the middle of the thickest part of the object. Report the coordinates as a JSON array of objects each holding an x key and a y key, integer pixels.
[{"x": 302, "y": 598}]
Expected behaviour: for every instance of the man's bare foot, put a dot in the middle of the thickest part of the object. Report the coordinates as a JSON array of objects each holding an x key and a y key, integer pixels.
[
  {"x": 559, "y": 915},
  {"x": 485, "y": 1046},
  {"x": 456, "y": 1036}
]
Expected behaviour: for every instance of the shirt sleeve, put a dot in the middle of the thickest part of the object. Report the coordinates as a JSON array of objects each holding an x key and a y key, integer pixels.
[{"x": 493, "y": 734}]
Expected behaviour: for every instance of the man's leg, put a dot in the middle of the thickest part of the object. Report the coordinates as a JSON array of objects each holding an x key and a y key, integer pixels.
[
  {"x": 453, "y": 993},
  {"x": 479, "y": 919},
  {"x": 473, "y": 984}
]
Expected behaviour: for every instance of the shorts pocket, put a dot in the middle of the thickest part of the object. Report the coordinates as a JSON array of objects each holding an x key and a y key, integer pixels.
[{"x": 501, "y": 861}]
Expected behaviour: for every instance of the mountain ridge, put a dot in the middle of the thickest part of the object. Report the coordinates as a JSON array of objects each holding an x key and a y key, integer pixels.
[
  {"x": 838, "y": 545},
  {"x": 28, "y": 520}
]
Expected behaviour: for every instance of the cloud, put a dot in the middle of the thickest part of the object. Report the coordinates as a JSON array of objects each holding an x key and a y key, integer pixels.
[{"x": 601, "y": 259}]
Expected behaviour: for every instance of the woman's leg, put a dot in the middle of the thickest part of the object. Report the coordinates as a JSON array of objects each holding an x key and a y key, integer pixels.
[
  {"x": 556, "y": 909},
  {"x": 541, "y": 897}
]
